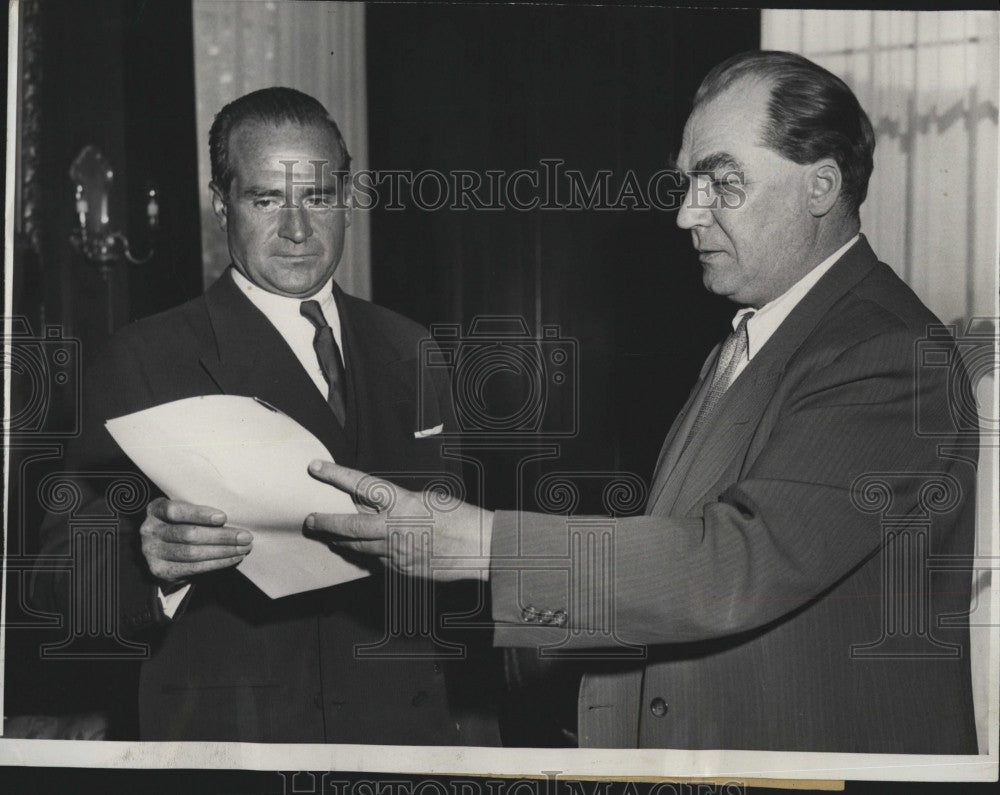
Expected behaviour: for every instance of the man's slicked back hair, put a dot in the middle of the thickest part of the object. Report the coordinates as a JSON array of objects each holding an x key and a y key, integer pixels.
[
  {"x": 276, "y": 105},
  {"x": 812, "y": 114}
]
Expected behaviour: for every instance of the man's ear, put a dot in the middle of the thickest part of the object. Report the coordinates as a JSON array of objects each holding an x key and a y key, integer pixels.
[
  {"x": 348, "y": 200},
  {"x": 219, "y": 204},
  {"x": 824, "y": 184}
]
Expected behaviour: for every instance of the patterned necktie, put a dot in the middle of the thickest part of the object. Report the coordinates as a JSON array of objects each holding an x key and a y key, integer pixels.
[
  {"x": 733, "y": 350},
  {"x": 329, "y": 358}
]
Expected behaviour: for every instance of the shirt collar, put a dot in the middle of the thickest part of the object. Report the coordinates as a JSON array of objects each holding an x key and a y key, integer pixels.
[
  {"x": 282, "y": 307},
  {"x": 765, "y": 321}
]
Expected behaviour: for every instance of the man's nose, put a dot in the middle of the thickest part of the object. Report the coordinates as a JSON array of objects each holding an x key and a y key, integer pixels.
[
  {"x": 695, "y": 208},
  {"x": 294, "y": 224}
]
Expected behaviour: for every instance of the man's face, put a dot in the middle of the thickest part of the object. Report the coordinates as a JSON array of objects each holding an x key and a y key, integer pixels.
[
  {"x": 288, "y": 250},
  {"x": 754, "y": 237}
]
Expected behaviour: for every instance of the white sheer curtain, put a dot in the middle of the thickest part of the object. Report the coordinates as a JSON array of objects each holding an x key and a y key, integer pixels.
[
  {"x": 928, "y": 80},
  {"x": 316, "y": 47}
]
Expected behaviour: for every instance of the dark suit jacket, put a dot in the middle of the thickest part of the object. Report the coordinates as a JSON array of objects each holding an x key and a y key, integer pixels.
[
  {"x": 756, "y": 579},
  {"x": 233, "y": 664}
]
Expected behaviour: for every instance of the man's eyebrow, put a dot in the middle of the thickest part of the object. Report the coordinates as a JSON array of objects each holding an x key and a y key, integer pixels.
[
  {"x": 258, "y": 191},
  {"x": 718, "y": 160}
]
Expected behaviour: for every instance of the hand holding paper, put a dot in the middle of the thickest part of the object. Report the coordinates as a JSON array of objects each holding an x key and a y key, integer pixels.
[
  {"x": 180, "y": 540},
  {"x": 243, "y": 458}
]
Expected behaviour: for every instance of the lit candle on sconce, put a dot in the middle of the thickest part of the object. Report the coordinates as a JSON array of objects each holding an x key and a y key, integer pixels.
[
  {"x": 152, "y": 209},
  {"x": 81, "y": 207}
]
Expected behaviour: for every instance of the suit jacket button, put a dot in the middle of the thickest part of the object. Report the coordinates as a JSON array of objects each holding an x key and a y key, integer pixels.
[{"x": 658, "y": 707}]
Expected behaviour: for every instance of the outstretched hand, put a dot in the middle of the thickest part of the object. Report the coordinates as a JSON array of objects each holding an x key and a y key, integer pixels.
[{"x": 425, "y": 534}]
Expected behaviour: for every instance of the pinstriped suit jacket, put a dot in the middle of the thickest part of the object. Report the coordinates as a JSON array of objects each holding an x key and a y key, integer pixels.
[{"x": 772, "y": 612}]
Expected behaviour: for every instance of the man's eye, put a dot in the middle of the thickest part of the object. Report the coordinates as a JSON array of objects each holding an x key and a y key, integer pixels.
[
  {"x": 318, "y": 202},
  {"x": 266, "y": 203},
  {"x": 733, "y": 179}
]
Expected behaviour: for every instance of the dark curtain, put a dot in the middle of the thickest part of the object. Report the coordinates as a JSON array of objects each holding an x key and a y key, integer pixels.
[
  {"x": 117, "y": 74},
  {"x": 478, "y": 88}
]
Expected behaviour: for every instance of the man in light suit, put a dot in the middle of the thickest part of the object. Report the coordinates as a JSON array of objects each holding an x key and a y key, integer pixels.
[
  {"x": 228, "y": 663},
  {"x": 759, "y": 579}
]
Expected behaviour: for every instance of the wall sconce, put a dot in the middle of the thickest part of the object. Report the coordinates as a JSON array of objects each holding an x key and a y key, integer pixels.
[{"x": 92, "y": 236}]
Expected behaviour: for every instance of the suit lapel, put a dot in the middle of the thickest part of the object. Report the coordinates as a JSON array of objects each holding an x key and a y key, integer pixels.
[
  {"x": 251, "y": 358},
  {"x": 671, "y": 449},
  {"x": 377, "y": 376},
  {"x": 736, "y": 418},
  {"x": 738, "y": 413}
]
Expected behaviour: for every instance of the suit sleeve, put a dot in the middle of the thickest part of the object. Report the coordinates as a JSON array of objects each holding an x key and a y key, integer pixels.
[
  {"x": 784, "y": 532},
  {"x": 93, "y": 512}
]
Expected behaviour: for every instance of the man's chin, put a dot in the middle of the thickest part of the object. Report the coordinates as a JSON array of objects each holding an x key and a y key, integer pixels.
[
  {"x": 301, "y": 282},
  {"x": 302, "y": 290},
  {"x": 721, "y": 288}
]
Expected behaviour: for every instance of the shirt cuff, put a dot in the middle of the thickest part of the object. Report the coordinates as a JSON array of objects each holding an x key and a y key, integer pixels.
[{"x": 171, "y": 601}]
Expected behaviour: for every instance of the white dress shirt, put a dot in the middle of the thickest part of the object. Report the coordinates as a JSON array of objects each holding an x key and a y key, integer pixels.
[
  {"x": 298, "y": 332},
  {"x": 766, "y": 320}
]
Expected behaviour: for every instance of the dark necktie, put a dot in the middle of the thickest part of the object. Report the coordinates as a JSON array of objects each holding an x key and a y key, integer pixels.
[
  {"x": 329, "y": 358},
  {"x": 733, "y": 350}
]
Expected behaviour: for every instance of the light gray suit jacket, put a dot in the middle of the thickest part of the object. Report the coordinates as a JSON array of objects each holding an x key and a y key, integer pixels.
[{"x": 759, "y": 586}]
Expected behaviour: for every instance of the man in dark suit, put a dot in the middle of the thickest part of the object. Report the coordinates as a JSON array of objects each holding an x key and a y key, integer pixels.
[
  {"x": 793, "y": 491},
  {"x": 228, "y": 663}
]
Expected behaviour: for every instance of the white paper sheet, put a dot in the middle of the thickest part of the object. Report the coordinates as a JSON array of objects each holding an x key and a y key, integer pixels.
[{"x": 245, "y": 458}]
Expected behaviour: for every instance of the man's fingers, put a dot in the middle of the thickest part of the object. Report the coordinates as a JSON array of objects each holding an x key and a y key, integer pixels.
[
  {"x": 188, "y": 553},
  {"x": 374, "y": 547},
  {"x": 197, "y": 535},
  {"x": 176, "y": 512},
  {"x": 367, "y": 489},
  {"x": 172, "y": 571},
  {"x": 346, "y": 526},
  {"x": 343, "y": 478}
]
